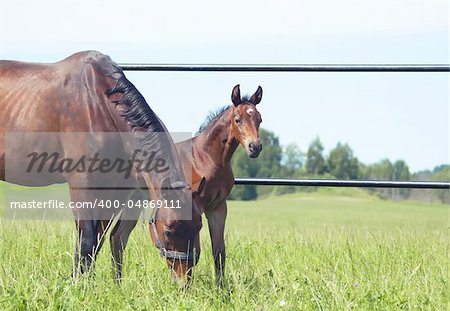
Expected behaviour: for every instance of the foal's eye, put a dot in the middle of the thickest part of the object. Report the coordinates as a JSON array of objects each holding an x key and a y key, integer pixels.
[{"x": 237, "y": 120}]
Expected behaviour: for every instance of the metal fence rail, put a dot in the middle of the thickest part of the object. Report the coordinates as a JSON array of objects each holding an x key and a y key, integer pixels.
[
  {"x": 342, "y": 183},
  {"x": 291, "y": 68},
  {"x": 310, "y": 68}
]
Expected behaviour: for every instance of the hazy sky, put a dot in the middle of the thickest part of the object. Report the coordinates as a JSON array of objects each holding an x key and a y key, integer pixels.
[{"x": 380, "y": 115}]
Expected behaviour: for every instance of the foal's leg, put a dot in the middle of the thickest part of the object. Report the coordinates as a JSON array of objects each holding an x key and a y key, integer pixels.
[{"x": 216, "y": 224}]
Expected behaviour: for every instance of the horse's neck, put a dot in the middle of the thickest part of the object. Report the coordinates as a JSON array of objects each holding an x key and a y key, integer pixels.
[{"x": 218, "y": 142}]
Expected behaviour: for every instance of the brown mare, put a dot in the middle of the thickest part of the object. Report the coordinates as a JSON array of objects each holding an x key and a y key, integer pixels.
[
  {"x": 212, "y": 151},
  {"x": 89, "y": 93}
]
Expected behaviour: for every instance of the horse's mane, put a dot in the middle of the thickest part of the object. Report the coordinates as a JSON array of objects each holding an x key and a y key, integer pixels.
[
  {"x": 135, "y": 109},
  {"x": 211, "y": 117},
  {"x": 137, "y": 112},
  {"x": 215, "y": 114}
]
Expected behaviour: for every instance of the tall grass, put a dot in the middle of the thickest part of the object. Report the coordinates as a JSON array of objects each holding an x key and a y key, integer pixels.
[{"x": 319, "y": 251}]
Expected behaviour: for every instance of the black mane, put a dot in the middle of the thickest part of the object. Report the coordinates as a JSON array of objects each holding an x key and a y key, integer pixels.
[
  {"x": 245, "y": 98},
  {"x": 215, "y": 114},
  {"x": 136, "y": 110},
  {"x": 139, "y": 115},
  {"x": 212, "y": 116}
]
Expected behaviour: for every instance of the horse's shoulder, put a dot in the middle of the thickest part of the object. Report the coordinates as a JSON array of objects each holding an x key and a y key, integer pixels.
[
  {"x": 87, "y": 56},
  {"x": 101, "y": 63}
]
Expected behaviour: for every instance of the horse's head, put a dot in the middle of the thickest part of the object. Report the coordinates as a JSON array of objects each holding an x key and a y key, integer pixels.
[
  {"x": 178, "y": 239},
  {"x": 246, "y": 120}
]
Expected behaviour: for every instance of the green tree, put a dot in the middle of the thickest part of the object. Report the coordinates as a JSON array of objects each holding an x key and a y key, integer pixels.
[
  {"x": 291, "y": 167},
  {"x": 242, "y": 167},
  {"x": 439, "y": 173},
  {"x": 269, "y": 161},
  {"x": 315, "y": 161},
  {"x": 342, "y": 163},
  {"x": 400, "y": 171},
  {"x": 382, "y": 170},
  {"x": 442, "y": 173},
  {"x": 268, "y": 164},
  {"x": 292, "y": 162}
]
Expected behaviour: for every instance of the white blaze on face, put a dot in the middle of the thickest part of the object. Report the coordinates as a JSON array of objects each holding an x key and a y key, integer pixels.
[{"x": 250, "y": 111}]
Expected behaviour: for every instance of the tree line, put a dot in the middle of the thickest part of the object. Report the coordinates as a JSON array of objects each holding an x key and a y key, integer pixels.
[{"x": 341, "y": 163}]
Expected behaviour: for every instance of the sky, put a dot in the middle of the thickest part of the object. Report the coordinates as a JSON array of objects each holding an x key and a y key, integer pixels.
[{"x": 399, "y": 116}]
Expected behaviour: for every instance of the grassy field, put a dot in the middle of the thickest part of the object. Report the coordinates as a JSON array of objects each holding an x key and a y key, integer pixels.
[{"x": 328, "y": 250}]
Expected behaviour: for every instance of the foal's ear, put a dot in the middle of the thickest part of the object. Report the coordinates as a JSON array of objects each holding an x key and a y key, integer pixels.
[
  {"x": 256, "y": 98},
  {"x": 236, "y": 95}
]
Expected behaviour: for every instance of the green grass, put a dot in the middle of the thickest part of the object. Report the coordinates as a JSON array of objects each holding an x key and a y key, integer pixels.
[{"x": 328, "y": 250}]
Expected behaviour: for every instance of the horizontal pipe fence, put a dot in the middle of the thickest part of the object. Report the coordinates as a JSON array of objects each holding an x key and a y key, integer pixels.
[
  {"x": 290, "y": 68},
  {"x": 311, "y": 68},
  {"x": 342, "y": 183}
]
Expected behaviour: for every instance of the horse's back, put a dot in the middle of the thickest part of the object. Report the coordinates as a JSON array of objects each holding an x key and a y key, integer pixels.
[
  {"x": 33, "y": 95},
  {"x": 11, "y": 69},
  {"x": 67, "y": 96}
]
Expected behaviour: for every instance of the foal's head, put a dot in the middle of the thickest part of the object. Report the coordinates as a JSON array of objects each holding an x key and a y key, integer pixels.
[{"x": 246, "y": 120}]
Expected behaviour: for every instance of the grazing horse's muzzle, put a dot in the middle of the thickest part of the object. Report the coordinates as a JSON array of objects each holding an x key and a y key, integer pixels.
[
  {"x": 180, "y": 262},
  {"x": 188, "y": 257},
  {"x": 254, "y": 150}
]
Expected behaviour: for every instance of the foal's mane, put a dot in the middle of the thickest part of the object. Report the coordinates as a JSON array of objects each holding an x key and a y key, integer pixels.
[
  {"x": 212, "y": 117},
  {"x": 216, "y": 114}
]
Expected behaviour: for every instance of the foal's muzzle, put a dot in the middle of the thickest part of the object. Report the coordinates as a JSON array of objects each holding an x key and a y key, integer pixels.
[{"x": 253, "y": 150}]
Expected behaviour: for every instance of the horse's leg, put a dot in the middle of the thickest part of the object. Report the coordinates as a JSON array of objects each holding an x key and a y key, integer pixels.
[
  {"x": 120, "y": 233},
  {"x": 102, "y": 229},
  {"x": 104, "y": 225},
  {"x": 91, "y": 234},
  {"x": 90, "y": 224},
  {"x": 87, "y": 242},
  {"x": 216, "y": 224}
]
